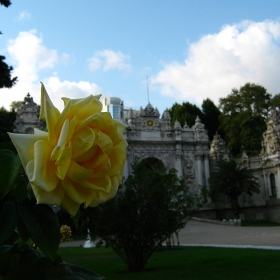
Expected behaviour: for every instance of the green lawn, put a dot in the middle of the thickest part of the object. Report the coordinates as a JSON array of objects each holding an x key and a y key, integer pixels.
[
  {"x": 186, "y": 263},
  {"x": 260, "y": 224}
]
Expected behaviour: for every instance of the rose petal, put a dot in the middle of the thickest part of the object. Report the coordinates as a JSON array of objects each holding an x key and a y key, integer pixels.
[
  {"x": 103, "y": 197},
  {"x": 102, "y": 184},
  {"x": 78, "y": 173},
  {"x": 69, "y": 205},
  {"x": 63, "y": 162},
  {"x": 43, "y": 167},
  {"x": 105, "y": 143},
  {"x": 77, "y": 192},
  {"x": 89, "y": 156},
  {"x": 45, "y": 97},
  {"x": 24, "y": 144},
  {"x": 61, "y": 141},
  {"x": 53, "y": 197},
  {"x": 117, "y": 158},
  {"x": 66, "y": 99},
  {"x": 82, "y": 141}
]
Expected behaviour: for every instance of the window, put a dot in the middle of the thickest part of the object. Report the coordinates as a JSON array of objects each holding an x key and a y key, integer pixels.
[{"x": 113, "y": 101}]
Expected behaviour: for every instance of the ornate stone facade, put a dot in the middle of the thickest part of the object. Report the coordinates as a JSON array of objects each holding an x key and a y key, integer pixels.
[
  {"x": 27, "y": 116},
  {"x": 183, "y": 148},
  {"x": 266, "y": 167},
  {"x": 188, "y": 150}
]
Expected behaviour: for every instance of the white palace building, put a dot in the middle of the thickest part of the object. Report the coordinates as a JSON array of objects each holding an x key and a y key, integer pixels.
[{"x": 188, "y": 150}]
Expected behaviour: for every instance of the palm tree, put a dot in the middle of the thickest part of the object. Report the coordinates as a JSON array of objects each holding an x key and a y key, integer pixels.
[{"x": 231, "y": 179}]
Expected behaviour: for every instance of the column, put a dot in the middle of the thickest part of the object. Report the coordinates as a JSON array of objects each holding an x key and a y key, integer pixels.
[
  {"x": 199, "y": 169},
  {"x": 207, "y": 169}
]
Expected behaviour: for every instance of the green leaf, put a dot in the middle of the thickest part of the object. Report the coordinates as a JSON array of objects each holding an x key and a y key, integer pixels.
[
  {"x": 32, "y": 265},
  {"x": 20, "y": 187},
  {"x": 42, "y": 225},
  {"x": 23, "y": 231},
  {"x": 9, "y": 146},
  {"x": 6, "y": 252},
  {"x": 8, "y": 220},
  {"x": 9, "y": 167}
]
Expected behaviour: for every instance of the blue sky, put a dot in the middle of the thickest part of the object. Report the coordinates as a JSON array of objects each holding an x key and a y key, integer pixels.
[{"x": 190, "y": 50}]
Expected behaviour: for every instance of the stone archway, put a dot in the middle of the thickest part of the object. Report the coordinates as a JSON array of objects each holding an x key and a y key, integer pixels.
[{"x": 154, "y": 164}]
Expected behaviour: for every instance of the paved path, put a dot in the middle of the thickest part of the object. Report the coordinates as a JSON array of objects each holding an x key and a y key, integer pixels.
[
  {"x": 202, "y": 233},
  {"x": 209, "y": 234}
]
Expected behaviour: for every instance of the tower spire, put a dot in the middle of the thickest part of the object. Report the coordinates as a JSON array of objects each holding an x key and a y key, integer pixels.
[{"x": 148, "y": 89}]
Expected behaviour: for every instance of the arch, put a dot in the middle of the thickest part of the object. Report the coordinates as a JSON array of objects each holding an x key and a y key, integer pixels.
[
  {"x": 163, "y": 158},
  {"x": 154, "y": 163},
  {"x": 29, "y": 130},
  {"x": 269, "y": 163},
  {"x": 272, "y": 185}
]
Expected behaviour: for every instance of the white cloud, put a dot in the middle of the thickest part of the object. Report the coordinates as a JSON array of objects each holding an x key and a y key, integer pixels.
[
  {"x": 58, "y": 89},
  {"x": 108, "y": 60},
  {"x": 94, "y": 63},
  {"x": 24, "y": 16},
  {"x": 29, "y": 56},
  {"x": 239, "y": 53}
]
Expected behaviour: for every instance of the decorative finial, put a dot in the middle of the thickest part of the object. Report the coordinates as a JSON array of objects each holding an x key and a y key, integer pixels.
[{"x": 148, "y": 89}]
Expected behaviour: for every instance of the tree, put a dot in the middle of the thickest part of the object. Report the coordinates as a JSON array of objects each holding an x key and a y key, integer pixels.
[
  {"x": 15, "y": 105},
  {"x": 210, "y": 118},
  {"x": 275, "y": 102},
  {"x": 231, "y": 179},
  {"x": 151, "y": 205},
  {"x": 250, "y": 100},
  {"x": 6, "y": 80},
  {"x": 7, "y": 120},
  {"x": 185, "y": 113},
  {"x": 5, "y": 3},
  {"x": 251, "y": 134}
]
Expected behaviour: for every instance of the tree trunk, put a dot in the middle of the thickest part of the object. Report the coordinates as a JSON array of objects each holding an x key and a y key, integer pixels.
[{"x": 235, "y": 207}]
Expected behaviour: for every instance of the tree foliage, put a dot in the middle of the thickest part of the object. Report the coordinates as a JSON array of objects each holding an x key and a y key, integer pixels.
[
  {"x": 185, "y": 113},
  {"x": 251, "y": 99},
  {"x": 150, "y": 206},
  {"x": 5, "y": 3},
  {"x": 6, "y": 80},
  {"x": 6, "y": 124},
  {"x": 231, "y": 179},
  {"x": 251, "y": 129},
  {"x": 210, "y": 118},
  {"x": 275, "y": 101},
  {"x": 244, "y": 107}
]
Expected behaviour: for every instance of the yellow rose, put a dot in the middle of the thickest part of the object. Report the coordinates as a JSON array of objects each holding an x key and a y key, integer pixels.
[{"x": 81, "y": 157}]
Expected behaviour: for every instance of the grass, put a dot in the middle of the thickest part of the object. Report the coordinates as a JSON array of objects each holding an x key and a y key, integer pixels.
[
  {"x": 186, "y": 263},
  {"x": 260, "y": 224}
]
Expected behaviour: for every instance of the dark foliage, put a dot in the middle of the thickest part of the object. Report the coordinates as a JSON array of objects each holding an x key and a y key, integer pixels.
[
  {"x": 210, "y": 118},
  {"x": 185, "y": 113},
  {"x": 152, "y": 204},
  {"x": 242, "y": 118},
  {"x": 231, "y": 179},
  {"x": 5, "y": 3},
  {"x": 6, "y": 80},
  {"x": 6, "y": 124}
]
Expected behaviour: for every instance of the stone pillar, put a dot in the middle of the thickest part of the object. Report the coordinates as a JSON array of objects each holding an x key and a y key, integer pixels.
[
  {"x": 207, "y": 169},
  {"x": 178, "y": 160},
  {"x": 125, "y": 170},
  {"x": 199, "y": 169}
]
